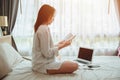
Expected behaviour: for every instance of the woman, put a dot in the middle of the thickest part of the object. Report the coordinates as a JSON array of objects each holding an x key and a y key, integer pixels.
[{"x": 44, "y": 52}]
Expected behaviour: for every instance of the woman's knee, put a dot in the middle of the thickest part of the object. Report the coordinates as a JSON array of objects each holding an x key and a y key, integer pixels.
[
  {"x": 75, "y": 66},
  {"x": 72, "y": 65}
]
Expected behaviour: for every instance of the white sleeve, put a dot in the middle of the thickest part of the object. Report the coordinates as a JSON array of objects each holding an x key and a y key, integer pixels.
[
  {"x": 46, "y": 50},
  {"x": 52, "y": 45}
]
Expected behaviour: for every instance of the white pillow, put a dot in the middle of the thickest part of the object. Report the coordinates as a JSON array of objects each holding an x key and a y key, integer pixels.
[
  {"x": 11, "y": 55},
  {"x": 8, "y": 58},
  {"x": 4, "y": 67}
]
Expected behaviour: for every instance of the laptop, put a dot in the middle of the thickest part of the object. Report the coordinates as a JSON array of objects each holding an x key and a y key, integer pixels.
[{"x": 85, "y": 55}]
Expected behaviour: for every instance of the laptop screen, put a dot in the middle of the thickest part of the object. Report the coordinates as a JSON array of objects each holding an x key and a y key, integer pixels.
[{"x": 85, "y": 53}]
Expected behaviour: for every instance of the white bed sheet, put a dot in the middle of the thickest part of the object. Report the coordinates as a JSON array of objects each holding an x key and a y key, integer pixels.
[{"x": 109, "y": 70}]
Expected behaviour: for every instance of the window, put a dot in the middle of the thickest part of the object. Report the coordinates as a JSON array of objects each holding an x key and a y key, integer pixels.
[{"x": 88, "y": 19}]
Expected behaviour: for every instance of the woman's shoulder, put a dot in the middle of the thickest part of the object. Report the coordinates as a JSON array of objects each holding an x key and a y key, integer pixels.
[{"x": 42, "y": 29}]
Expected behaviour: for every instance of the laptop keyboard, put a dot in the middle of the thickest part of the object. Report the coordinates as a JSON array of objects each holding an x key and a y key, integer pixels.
[{"x": 82, "y": 62}]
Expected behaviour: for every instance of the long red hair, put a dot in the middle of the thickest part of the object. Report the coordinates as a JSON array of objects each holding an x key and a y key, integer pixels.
[{"x": 45, "y": 12}]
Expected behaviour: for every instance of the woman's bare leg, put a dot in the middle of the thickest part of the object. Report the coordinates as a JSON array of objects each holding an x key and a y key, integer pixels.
[{"x": 66, "y": 67}]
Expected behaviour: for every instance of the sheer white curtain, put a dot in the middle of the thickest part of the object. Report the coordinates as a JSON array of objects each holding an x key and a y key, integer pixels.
[{"x": 88, "y": 19}]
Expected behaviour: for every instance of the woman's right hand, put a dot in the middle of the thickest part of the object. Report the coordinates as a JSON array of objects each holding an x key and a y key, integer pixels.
[{"x": 64, "y": 44}]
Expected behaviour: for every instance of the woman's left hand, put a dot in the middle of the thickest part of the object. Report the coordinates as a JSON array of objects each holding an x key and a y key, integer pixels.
[
  {"x": 61, "y": 42},
  {"x": 64, "y": 44}
]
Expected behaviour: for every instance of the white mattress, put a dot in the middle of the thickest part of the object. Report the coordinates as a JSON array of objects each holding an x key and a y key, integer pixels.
[{"x": 109, "y": 70}]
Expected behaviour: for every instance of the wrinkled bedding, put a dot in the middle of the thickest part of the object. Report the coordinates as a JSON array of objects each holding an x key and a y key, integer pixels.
[{"x": 109, "y": 70}]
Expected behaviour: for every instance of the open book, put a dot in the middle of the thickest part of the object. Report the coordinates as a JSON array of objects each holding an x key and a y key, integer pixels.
[{"x": 69, "y": 36}]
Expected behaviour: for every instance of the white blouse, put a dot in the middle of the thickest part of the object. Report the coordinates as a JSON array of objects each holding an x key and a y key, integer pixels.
[{"x": 43, "y": 51}]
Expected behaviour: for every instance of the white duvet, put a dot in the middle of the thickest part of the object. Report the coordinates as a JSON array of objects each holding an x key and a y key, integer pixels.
[{"x": 109, "y": 70}]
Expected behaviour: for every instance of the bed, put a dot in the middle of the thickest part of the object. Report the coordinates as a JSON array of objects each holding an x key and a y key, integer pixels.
[{"x": 20, "y": 68}]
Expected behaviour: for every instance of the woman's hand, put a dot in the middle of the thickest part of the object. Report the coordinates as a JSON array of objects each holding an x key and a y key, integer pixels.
[
  {"x": 63, "y": 44},
  {"x": 60, "y": 43}
]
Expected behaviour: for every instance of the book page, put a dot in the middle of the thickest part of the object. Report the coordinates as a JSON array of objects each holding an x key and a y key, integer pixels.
[{"x": 69, "y": 36}]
